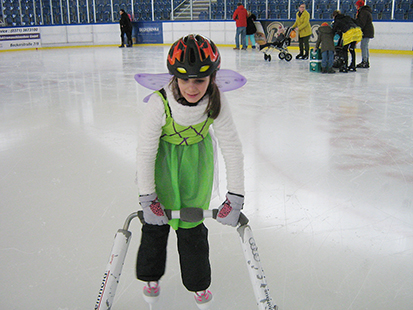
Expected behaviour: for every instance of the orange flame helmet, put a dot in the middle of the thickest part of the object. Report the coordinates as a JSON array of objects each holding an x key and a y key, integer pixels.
[{"x": 193, "y": 56}]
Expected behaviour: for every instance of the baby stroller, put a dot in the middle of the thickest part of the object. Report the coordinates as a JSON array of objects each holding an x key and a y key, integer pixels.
[
  {"x": 339, "y": 59},
  {"x": 281, "y": 44}
]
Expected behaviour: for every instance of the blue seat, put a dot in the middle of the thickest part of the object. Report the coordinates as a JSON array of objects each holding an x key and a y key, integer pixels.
[
  {"x": 283, "y": 14},
  {"x": 318, "y": 14},
  {"x": 399, "y": 14},
  {"x": 386, "y": 14},
  {"x": 327, "y": 14},
  {"x": 380, "y": 6}
]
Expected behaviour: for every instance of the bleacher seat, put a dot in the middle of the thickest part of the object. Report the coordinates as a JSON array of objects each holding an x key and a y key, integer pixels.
[
  {"x": 399, "y": 14},
  {"x": 405, "y": 5},
  {"x": 386, "y": 14},
  {"x": 328, "y": 14},
  {"x": 375, "y": 13},
  {"x": 318, "y": 14},
  {"x": 380, "y": 6},
  {"x": 283, "y": 14}
]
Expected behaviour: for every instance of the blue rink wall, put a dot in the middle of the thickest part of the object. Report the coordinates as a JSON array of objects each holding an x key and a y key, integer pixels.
[{"x": 393, "y": 36}]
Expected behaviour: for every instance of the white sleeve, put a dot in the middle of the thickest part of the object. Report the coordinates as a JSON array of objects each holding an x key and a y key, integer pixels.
[
  {"x": 231, "y": 148},
  {"x": 148, "y": 142}
]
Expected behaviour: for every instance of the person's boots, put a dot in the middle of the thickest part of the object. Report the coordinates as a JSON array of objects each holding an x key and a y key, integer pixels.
[
  {"x": 203, "y": 299},
  {"x": 121, "y": 44},
  {"x": 151, "y": 292},
  {"x": 363, "y": 64},
  {"x": 352, "y": 67}
]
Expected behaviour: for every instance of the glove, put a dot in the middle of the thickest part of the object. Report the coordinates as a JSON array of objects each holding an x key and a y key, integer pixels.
[
  {"x": 153, "y": 211},
  {"x": 229, "y": 211}
]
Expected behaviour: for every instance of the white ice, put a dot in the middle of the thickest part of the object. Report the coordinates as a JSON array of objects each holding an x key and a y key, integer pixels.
[{"x": 328, "y": 172}]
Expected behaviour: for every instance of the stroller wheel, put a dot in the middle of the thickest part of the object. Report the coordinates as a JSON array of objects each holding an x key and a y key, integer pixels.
[
  {"x": 265, "y": 56},
  {"x": 288, "y": 57},
  {"x": 281, "y": 55},
  {"x": 269, "y": 57}
]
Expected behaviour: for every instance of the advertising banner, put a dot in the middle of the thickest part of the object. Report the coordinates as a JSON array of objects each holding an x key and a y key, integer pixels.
[
  {"x": 268, "y": 31},
  {"x": 147, "y": 32},
  {"x": 19, "y": 37}
]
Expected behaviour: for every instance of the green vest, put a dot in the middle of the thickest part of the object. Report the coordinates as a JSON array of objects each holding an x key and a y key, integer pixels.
[
  {"x": 182, "y": 135},
  {"x": 184, "y": 167}
]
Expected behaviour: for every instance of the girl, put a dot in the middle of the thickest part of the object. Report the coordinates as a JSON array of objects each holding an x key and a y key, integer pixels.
[{"x": 176, "y": 166}]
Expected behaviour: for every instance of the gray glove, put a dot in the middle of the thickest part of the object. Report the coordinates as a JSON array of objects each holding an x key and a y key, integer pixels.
[
  {"x": 153, "y": 211},
  {"x": 229, "y": 211}
]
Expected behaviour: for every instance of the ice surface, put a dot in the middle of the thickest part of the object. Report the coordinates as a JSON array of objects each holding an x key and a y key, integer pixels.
[{"x": 328, "y": 166}]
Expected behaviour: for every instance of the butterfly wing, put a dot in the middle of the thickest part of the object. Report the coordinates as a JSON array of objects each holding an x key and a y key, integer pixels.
[
  {"x": 153, "y": 81},
  {"x": 227, "y": 80}
]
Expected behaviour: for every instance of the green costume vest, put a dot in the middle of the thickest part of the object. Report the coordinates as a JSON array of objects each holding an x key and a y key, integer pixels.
[{"x": 184, "y": 166}]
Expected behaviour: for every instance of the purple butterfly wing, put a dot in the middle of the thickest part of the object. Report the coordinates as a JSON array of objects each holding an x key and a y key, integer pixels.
[
  {"x": 153, "y": 81},
  {"x": 227, "y": 80}
]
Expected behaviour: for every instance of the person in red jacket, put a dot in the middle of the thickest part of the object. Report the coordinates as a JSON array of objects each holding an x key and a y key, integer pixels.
[{"x": 240, "y": 16}]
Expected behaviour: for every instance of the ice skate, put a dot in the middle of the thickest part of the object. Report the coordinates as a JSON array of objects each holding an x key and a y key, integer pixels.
[
  {"x": 151, "y": 292},
  {"x": 203, "y": 299}
]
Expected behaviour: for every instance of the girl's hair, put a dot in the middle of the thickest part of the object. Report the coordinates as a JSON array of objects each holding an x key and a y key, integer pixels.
[
  {"x": 214, "y": 104},
  {"x": 336, "y": 12}
]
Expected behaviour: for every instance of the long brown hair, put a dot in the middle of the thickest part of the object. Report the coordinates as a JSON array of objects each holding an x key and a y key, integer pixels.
[{"x": 214, "y": 104}]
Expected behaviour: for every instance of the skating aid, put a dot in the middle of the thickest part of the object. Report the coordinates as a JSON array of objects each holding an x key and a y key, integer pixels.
[
  {"x": 120, "y": 247},
  {"x": 114, "y": 267}
]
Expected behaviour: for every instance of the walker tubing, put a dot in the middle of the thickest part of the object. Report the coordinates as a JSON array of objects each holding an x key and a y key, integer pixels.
[{"x": 121, "y": 243}]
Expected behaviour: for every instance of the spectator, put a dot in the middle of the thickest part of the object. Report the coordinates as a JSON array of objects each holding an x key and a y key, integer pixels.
[
  {"x": 364, "y": 19},
  {"x": 240, "y": 17},
  {"x": 125, "y": 28},
  {"x": 251, "y": 29},
  {"x": 350, "y": 34},
  {"x": 303, "y": 27},
  {"x": 326, "y": 40}
]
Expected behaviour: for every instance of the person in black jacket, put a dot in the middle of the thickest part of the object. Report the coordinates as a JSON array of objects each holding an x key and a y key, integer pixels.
[
  {"x": 350, "y": 34},
  {"x": 125, "y": 28},
  {"x": 251, "y": 29},
  {"x": 364, "y": 19}
]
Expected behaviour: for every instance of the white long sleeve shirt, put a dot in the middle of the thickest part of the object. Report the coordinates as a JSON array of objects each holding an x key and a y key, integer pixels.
[{"x": 151, "y": 130}]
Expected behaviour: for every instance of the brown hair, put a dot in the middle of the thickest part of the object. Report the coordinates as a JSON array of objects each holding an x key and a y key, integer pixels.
[
  {"x": 336, "y": 12},
  {"x": 214, "y": 104}
]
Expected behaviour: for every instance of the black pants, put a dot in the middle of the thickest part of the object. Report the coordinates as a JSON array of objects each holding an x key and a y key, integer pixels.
[
  {"x": 193, "y": 251},
  {"x": 351, "y": 47},
  {"x": 304, "y": 45},
  {"x": 128, "y": 35}
]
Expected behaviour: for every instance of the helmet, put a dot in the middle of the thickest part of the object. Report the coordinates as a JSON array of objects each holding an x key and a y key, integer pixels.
[{"x": 193, "y": 56}]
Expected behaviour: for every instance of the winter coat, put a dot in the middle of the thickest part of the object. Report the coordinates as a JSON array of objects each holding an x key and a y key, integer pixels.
[
  {"x": 347, "y": 28},
  {"x": 240, "y": 16},
  {"x": 325, "y": 38},
  {"x": 342, "y": 23},
  {"x": 302, "y": 21},
  {"x": 251, "y": 29},
  {"x": 364, "y": 19},
  {"x": 125, "y": 23}
]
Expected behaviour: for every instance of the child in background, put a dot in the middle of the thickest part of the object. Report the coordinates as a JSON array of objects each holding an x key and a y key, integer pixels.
[
  {"x": 175, "y": 161},
  {"x": 251, "y": 29},
  {"x": 326, "y": 40}
]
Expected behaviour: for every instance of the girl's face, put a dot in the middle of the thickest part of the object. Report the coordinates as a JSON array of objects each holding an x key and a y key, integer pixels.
[{"x": 193, "y": 89}]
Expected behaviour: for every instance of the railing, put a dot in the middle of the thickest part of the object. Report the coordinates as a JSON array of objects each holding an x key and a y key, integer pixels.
[{"x": 58, "y": 12}]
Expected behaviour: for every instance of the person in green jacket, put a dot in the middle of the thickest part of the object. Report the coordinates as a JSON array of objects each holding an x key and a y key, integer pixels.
[{"x": 303, "y": 27}]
